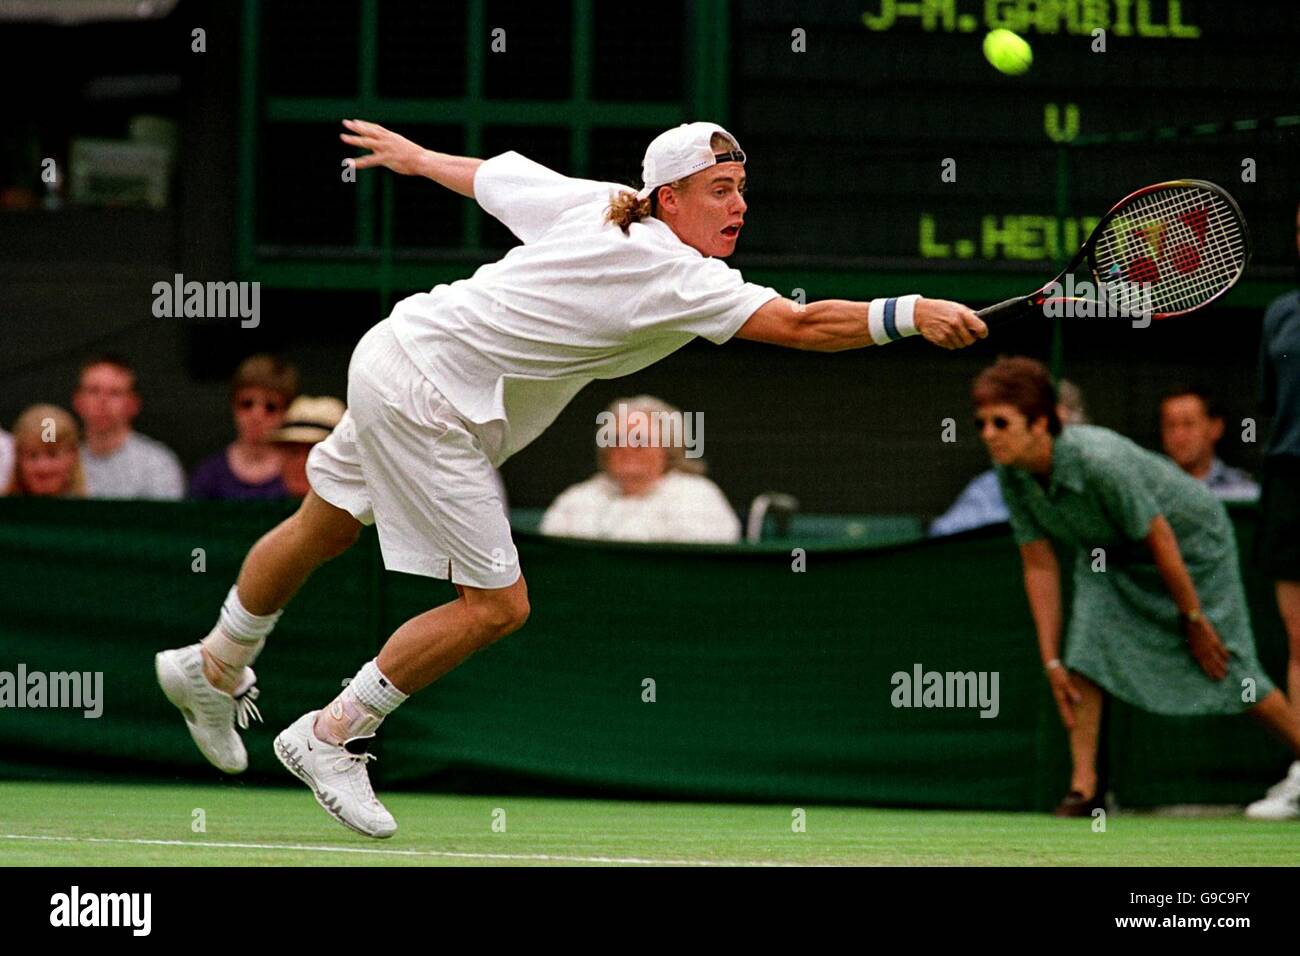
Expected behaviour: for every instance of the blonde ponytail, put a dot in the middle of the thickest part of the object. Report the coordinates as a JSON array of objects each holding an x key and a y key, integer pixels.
[{"x": 625, "y": 209}]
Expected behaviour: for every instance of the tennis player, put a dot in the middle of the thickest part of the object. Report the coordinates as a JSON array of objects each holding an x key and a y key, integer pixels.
[
  {"x": 458, "y": 379},
  {"x": 1162, "y": 624}
]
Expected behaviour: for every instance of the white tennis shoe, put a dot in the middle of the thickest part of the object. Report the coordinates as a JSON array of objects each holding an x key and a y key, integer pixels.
[
  {"x": 210, "y": 714},
  {"x": 1282, "y": 802},
  {"x": 337, "y": 776}
]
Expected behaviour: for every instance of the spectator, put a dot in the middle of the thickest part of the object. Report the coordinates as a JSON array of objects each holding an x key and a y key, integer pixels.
[
  {"x": 1191, "y": 424},
  {"x": 119, "y": 462},
  {"x": 6, "y": 460},
  {"x": 250, "y": 466},
  {"x": 644, "y": 493},
  {"x": 47, "y": 459},
  {"x": 980, "y": 502},
  {"x": 308, "y": 421}
]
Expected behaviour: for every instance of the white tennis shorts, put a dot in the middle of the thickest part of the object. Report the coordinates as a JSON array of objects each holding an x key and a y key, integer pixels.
[{"x": 402, "y": 458}]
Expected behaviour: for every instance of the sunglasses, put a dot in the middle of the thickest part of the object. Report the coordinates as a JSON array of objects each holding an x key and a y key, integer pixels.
[
  {"x": 248, "y": 404},
  {"x": 997, "y": 421}
]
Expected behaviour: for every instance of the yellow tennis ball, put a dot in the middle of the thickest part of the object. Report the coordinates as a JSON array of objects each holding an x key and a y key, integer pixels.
[{"x": 1008, "y": 52}]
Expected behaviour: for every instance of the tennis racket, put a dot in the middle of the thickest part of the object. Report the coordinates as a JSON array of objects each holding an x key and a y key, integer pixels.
[{"x": 1173, "y": 247}]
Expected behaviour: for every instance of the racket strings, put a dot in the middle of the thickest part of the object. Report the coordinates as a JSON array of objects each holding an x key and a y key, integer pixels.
[
  {"x": 1187, "y": 242},
  {"x": 1139, "y": 243}
]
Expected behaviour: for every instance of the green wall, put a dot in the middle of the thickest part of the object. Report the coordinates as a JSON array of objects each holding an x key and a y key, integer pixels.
[{"x": 770, "y": 684}]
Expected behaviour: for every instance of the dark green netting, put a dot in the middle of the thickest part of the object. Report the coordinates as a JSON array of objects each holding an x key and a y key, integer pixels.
[{"x": 769, "y": 684}]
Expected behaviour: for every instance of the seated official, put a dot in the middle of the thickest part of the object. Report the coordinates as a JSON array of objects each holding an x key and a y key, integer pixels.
[
  {"x": 1191, "y": 425},
  {"x": 250, "y": 466},
  {"x": 644, "y": 492},
  {"x": 47, "y": 455}
]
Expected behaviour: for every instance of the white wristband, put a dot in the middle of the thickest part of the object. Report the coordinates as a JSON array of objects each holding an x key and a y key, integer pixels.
[{"x": 889, "y": 320}]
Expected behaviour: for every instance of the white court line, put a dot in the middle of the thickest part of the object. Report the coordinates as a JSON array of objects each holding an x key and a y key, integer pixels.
[{"x": 446, "y": 854}]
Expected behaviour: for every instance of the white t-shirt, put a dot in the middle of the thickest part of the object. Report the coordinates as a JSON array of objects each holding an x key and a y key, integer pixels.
[
  {"x": 580, "y": 300},
  {"x": 680, "y": 507},
  {"x": 141, "y": 467},
  {"x": 6, "y": 460}
]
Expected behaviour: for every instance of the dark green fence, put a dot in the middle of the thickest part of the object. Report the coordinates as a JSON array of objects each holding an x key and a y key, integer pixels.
[{"x": 769, "y": 684}]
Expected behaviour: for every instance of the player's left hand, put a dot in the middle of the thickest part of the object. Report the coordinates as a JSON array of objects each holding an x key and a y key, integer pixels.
[
  {"x": 1207, "y": 648},
  {"x": 386, "y": 148},
  {"x": 949, "y": 325}
]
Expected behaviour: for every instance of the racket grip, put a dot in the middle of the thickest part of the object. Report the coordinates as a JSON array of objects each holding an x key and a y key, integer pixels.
[{"x": 1003, "y": 311}]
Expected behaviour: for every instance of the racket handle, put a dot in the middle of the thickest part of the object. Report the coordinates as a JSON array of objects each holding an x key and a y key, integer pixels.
[{"x": 1003, "y": 311}]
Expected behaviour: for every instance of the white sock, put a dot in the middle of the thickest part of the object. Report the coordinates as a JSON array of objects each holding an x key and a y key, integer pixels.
[
  {"x": 241, "y": 625},
  {"x": 360, "y": 708},
  {"x": 376, "y": 691},
  {"x": 236, "y": 640}
]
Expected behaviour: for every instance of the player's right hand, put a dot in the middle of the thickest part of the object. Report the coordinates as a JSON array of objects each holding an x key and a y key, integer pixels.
[
  {"x": 1064, "y": 693},
  {"x": 949, "y": 325},
  {"x": 386, "y": 148}
]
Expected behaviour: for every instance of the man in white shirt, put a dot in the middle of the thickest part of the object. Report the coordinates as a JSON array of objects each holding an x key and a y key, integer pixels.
[
  {"x": 119, "y": 462},
  {"x": 647, "y": 488},
  {"x": 606, "y": 282}
]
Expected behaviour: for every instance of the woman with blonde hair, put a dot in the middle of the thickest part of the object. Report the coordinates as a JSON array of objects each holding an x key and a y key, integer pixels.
[
  {"x": 47, "y": 454},
  {"x": 650, "y": 486}
]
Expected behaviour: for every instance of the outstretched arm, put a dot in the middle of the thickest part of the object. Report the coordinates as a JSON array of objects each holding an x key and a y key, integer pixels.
[
  {"x": 833, "y": 325},
  {"x": 410, "y": 159}
]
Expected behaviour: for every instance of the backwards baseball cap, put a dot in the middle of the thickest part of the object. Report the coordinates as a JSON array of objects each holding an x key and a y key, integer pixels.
[{"x": 681, "y": 151}]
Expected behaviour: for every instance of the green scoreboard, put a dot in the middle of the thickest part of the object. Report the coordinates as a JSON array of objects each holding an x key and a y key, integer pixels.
[{"x": 880, "y": 135}]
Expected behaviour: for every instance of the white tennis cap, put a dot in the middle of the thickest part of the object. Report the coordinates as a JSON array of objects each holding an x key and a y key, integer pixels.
[{"x": 681, "y": 151}]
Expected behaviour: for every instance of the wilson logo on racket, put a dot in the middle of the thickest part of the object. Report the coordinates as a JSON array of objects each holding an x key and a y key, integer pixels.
[{"x": 1175, "y": 247}]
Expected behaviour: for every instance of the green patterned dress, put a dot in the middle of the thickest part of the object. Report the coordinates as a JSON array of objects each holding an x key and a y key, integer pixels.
[{"x": 1124, "y": 633}]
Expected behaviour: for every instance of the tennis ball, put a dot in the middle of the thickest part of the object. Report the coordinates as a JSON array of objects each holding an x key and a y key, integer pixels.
[{"x": 1009, "y": 53}]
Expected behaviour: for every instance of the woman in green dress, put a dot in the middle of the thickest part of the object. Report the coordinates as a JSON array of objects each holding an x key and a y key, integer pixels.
[{"x": 1159, "y": 616}]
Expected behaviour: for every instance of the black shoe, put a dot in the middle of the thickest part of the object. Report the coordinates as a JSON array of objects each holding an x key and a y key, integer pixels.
[{"x": 1075, "y": 804}]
